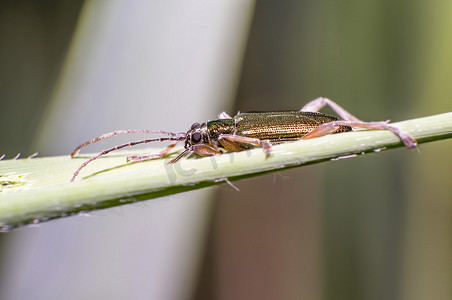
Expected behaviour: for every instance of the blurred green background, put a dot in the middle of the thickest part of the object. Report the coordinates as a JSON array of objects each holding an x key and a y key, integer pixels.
[{"x": 375, "y": 227}]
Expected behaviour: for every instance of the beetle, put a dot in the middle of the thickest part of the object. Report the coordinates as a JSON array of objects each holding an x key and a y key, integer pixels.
[{"x": 249, "y": 130}]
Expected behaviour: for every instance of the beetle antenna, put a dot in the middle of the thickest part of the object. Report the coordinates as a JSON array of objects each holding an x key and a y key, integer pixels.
[
  {"x": 176, "y": 138},
  {"x": 118, "y": 132}
]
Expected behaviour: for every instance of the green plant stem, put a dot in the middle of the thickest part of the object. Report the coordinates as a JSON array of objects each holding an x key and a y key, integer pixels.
[{"x": 38, "y": 189}]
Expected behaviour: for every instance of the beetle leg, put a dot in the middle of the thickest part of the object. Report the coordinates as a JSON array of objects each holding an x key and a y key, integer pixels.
[
  {"x": 200, "y": 149},
  {"x": 233, "y": 143},
  {"x": 352, "y": 121},
  {"x": 104, "y": 152},
  {"x": 321, "y": 130},
  {"x": 161, "y": 154},
  {"x": 205, "y": 150},
  {"x": 182, "y": 154},
  {"x": 317, "y": 104},
  {"x": 327, "y": 128},
  {"x": 224, "y": 115}
]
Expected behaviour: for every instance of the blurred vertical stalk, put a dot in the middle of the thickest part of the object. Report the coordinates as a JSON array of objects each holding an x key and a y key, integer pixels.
[{"x": 139, "y": 64}]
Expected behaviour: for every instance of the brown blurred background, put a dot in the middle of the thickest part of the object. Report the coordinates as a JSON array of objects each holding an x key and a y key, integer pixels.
[{"x": 374, "y": 227}]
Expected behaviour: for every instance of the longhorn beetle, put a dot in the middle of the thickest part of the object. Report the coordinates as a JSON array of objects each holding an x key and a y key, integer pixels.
[{"x": 249, "y": 130}]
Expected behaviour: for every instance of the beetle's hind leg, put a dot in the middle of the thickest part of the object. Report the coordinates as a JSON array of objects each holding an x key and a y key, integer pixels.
[
  {"x": 330, "y": 127},
  {"x": 352, "y": 121},
  {"x": 319, "y": 103}
]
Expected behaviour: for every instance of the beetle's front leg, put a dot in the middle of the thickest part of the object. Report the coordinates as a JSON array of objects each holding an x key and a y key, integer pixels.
[
  {"x": 161, "y": 154},
  {"x": 205, "y": 150},
  {"x": 200, "y": 149},
  {"x": 234, "y": 143}
]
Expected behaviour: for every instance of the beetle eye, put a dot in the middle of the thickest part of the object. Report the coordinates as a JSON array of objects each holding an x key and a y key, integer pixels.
[
  {"x": 195, "y": 125},
  {"x": 196, "y": 137}
]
